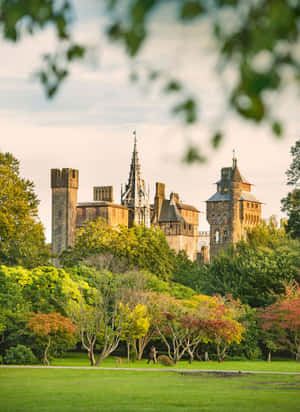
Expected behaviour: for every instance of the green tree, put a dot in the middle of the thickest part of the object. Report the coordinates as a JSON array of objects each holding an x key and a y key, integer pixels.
[
  {"x": 259, "y": 46},
  {"x": 291, "y": 203},
  {"x": 22, "y": 239},
  {"x": 256, "y": 269},
  {"x": 140, "y": 247}
]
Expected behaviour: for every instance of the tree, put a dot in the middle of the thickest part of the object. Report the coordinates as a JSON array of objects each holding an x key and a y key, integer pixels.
[
  {"x": 136, "y": 324},
  {"x": 258, "y": 47},
  {"x": 141, "y": 247},
  {"x": 101, "y": 316},
  {"x": 219, "y": 321},
  {"x": 22, "y": 240},
  {"x": 52, "y": 328},
  {"x": 254, "y": 270},
  {"x": 282, "y": 319},
  {"x": 291, "y": 203}
]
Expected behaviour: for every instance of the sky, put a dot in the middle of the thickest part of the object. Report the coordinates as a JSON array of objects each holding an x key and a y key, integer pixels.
[{"x": 89, "y": 125}]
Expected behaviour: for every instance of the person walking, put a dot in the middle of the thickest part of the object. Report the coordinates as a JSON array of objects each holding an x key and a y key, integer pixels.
[{"x": 152, "y": 355}]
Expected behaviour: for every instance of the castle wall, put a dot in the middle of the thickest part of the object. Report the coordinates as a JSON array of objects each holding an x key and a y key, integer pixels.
[
  {"x": 181, "y": 236},
  {"x": 113, "y": 214}
]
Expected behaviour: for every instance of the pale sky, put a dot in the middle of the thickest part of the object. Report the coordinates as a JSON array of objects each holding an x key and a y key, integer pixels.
[{"x": 89, "y": 125}]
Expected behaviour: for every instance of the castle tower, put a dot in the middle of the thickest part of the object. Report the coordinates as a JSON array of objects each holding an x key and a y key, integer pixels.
[
  {"x": 232, "y": 210},
  {"x": 135, "y": 197},
  {"x": 64, "y": 185},
  {"x": 158, "y": 201}
]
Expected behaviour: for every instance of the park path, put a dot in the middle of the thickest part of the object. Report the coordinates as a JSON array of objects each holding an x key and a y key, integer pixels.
[{"x": 187, "y": 371}]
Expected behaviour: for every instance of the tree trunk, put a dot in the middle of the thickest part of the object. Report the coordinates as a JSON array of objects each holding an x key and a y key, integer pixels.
[
  {"x": 206, "y": 358},
  {"x": 298, "y": 354},
  {"x": 269, "y": 356},
  {"x": 91, "y": 355},
  {"x": 45, "y": 360},
  {"x": 128, "y": 352},
  {"x": 141, "y": 349}
]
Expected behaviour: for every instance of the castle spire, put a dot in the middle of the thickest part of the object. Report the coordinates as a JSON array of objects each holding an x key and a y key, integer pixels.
[{"x": 134, "y": 195}]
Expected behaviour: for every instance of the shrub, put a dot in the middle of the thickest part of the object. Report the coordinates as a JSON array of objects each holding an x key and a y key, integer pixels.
[
  {"x": 165, "y": 360},
  {"x": 19, "y": 355}
]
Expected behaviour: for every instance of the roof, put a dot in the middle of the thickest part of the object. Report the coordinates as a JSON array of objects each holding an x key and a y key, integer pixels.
[
  {"x": 219, "y": 197},
  {"x": 100, "y": 204},
  {"x": 248, "y": 196},
  {"x": 187, "y": 207},
  {"x": 169, "y": 212},
  {"x": 236, "y": 176}
]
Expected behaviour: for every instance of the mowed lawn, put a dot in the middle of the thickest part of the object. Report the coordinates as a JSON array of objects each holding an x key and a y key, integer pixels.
[
  {"x": 138, "y": 391},
  {"x": 81, "y": 359}
]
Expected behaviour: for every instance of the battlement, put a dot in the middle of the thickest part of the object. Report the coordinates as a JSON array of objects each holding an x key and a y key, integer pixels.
[
  {"x": 64, "y": 178},
  {"x": 103, "y": 193}
]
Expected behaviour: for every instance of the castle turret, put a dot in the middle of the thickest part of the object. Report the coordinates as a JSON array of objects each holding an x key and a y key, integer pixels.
[
  {"x": 135, "y": 197},
  {"x": 232, "y": 210},
  {"x": 64, "y": 185}
]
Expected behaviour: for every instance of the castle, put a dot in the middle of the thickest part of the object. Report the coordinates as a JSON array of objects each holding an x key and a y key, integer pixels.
[{"x": 230, "y": 211}]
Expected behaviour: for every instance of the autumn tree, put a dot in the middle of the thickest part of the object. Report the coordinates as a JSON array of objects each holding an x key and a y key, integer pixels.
[
  {"x": 282, "y": 319},
  {"x": 135, "y": 324},
  {"x": 52, "y": 328},
  {"x": 22, "y": 239},
  {"x": 219, "y": 323}
]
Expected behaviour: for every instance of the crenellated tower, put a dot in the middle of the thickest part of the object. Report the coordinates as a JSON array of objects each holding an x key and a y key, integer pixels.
[
  {"x": 64, "y": 185},
  {"x": 135, "y": 197}
]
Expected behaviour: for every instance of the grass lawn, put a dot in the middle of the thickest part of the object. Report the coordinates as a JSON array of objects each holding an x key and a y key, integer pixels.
[
  {"x": 81, "y": 359},
  {"x": 133, "y": 391}
]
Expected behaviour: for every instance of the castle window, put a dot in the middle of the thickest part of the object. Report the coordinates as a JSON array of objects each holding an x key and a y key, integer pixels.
[
  {"x": 248, "y": 204},
  {"x": 219, "y": 219},
  {"x": 213, "y": 219},
  {"x": 225, "y": 219},
  {"x": 217, "y": 236},
  {"x": 256, "y": 205}
]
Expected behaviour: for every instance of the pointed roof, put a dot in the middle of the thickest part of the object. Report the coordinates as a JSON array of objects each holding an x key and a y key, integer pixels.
[
  {"x": 236, "y": 175},
  {"x": 169, "y": 211},
  {"x": 134, "y": 190}
]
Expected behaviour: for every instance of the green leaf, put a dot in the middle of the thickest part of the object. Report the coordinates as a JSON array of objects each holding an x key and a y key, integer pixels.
[
  {"x": 173, "y": 86},
  {"x": 188, "y": 109},
  {"x": 277, "y": 128},
  {"x": 193, "y": 155},
  {"x": 191, "y": 9},
  {"x": 217, "y": 140}
]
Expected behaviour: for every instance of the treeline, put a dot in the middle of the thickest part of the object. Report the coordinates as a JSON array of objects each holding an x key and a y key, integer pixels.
[{"x": 127, "y": 285}]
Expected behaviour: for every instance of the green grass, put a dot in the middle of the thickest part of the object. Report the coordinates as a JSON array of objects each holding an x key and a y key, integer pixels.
[
  {"x": 133, "y": 391},
  {"x": 81, "y": 359}
]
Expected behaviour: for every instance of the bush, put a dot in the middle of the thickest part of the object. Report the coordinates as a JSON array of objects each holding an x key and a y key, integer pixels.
[
  {"x": 165, "y": 360},
  {"x": 19, "y": 355}
]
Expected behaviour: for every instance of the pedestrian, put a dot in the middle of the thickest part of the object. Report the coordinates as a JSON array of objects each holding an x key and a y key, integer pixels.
[{"x": 152, "y": 355}]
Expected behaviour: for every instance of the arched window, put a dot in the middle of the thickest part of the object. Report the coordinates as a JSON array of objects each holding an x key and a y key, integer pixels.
[
  {"x": 217, "y": 236},
  {"x": 225, "y": 219},
  {"x": 213, "y": 219},
  {"x": 219, "y": 219}
]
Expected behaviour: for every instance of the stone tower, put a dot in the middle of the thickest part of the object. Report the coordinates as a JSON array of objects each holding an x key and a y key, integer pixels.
[
  {"x": 232, "y": 210},
  {"x": 135, "y": 197},
  {"x": 64, "y": 185}
]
